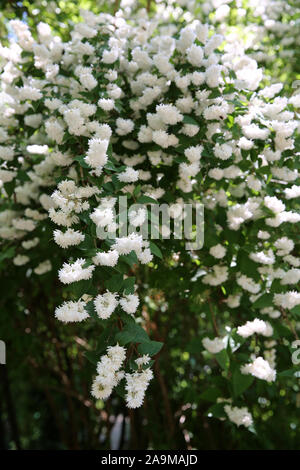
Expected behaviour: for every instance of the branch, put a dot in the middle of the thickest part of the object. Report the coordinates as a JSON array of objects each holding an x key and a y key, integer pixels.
[{"x": 213, "y": 317}]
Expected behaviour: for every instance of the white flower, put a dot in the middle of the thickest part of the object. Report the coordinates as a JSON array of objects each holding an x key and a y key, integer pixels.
[
  {"x": 239, "y": 416},
  {"x": 215, "y": 345},
  {"x": 213, "y": 75},
  {"x": 87, "y": 80},
  {"x": 274, "y": 204},
  {"x": 33, "y": 120},
  {"x": 124, "y": 126},
  {"x": 292, "y": 260},
  {"x": 216, "y": 174},
  {"x": 27, "y": 244},
  {"x": 214, "y": 42},
  {"x": 261, "y": 369},
  {"x": 108, "y": 371},
  {"x": 163, "y": 139},
  {"x": 117, "y": 354},
  {"x": 285, "y": 173},
  {"x": 253, "y": 183},
  {"x": 193, "y": 154},
  {"x": 6, "y": 153},
  {"x": 102, "y": 216},
  {"x": 7, "y": 176},
  {"x": 218, "y": 275},
  {"x": 105, "y": 304},
  {"x": 263, "y": 235},
  {"x": 71, "y": 312},
  {"x": 29, "y": 93},
  {"x": 287, "y": 300},
  {"x": 245, "y": 144},
  {"x": 55, "y": 131},
  {"x": 233, "y": 301},
  {"x": 75, "y": 272},
  {"x": 255, "y": 326},
  {"x": 291, "y": 277},
  {"x": 202, "y": 32},
  {"x": 43, "y": 267},
  {"x": 195, "y": 55},
  {"x": 198, "y": 78},
  {"x": 284, "y": 246},
  {"x": 218, "y": 251},
  {"x": 124, "y": 245},
  {"x": 20, "y": 260},
  {"x": 137, "y": 217},
  {"x": 24, "y": 224},
  {"x": 69, "y": 238},
  {"x": 130, "y": 303},
  {"x": 223, "y": 151},
  {"x": 293, "y": 192},
  {"x": 61, "y": 159},
  {"x": 141, "y": 361},
  {"x": 110, "y": 56},
  {"x": 106, "y": 259},
  {"x": 128, "y": 176},
  {"x": 75, "y": 121},
  {"x": 169, "y": 114},
  {"x": 248, "y": 284},
  {"x": 145, "y": 256},
  {"x": 107, "y": 104},
  {"x": 99, "y": 390},
  {"x": 136, "y": 385},
  {"x": 252, "y": 131},
  {"x": 97, "y": 153},
  {"x": 263, "y": 258}
]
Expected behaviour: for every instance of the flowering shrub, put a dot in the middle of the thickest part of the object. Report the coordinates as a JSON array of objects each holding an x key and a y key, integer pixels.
[
  {"x": 266, "y": 30},
  {"x": 156, "y": 111}
]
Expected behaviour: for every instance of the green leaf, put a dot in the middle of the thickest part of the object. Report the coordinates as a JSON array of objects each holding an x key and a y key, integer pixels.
[
  {"x": 137, "y": 190},
  {"x": 240, "y": 382},
  {"x": 211, "y": 394},
  {"x": 296, "y": 310},
  {"x": 130, "y": 259},
  {"x": 85, "y": 217},
  {"x": 90, "y": 308},
  {"x": 87, "y": 243},
  {"x": 189, "y": 120},
  {"x": 155, "y": 250},
  {"x": 132, "y": 333},
  {"x": 150, "y": 347},
  {"x": 223, "y": 359},
  {"x": 9, "y": 253},
  {"x": 217, "y": 411},
  {"x": 127, "y": 319},
  {"x": 120, "y": 389},
  {"x": 265, "y": 300},
  {"x": 10, "y": 187},
  {"x": 92, "y": 356},
  {"x": 103, "y": 340},
  {"x": 146, "y": 200},
  {"x": 246, "y": 265},
  {"x": 110, "y": 166},
  {"x": 81, "y": 287},
  {"x": 23, "y": 176},
  {"x": 214, "y": 94},
  {"x": 288, "y": 373},
  {"x": 128, "y": 285},
  {"x": 80, "y": 160},
  {"x": 115, "y": 283}
]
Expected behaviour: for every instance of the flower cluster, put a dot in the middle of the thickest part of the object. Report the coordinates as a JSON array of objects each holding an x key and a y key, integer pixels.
[{"x": 171, "y": 114}]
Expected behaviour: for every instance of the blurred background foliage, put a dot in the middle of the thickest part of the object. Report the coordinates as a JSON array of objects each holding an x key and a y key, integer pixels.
[{"x": 45, "y": 400}]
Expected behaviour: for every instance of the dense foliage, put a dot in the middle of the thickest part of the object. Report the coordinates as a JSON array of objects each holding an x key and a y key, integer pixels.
[{"x": 114, "y": 339}]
